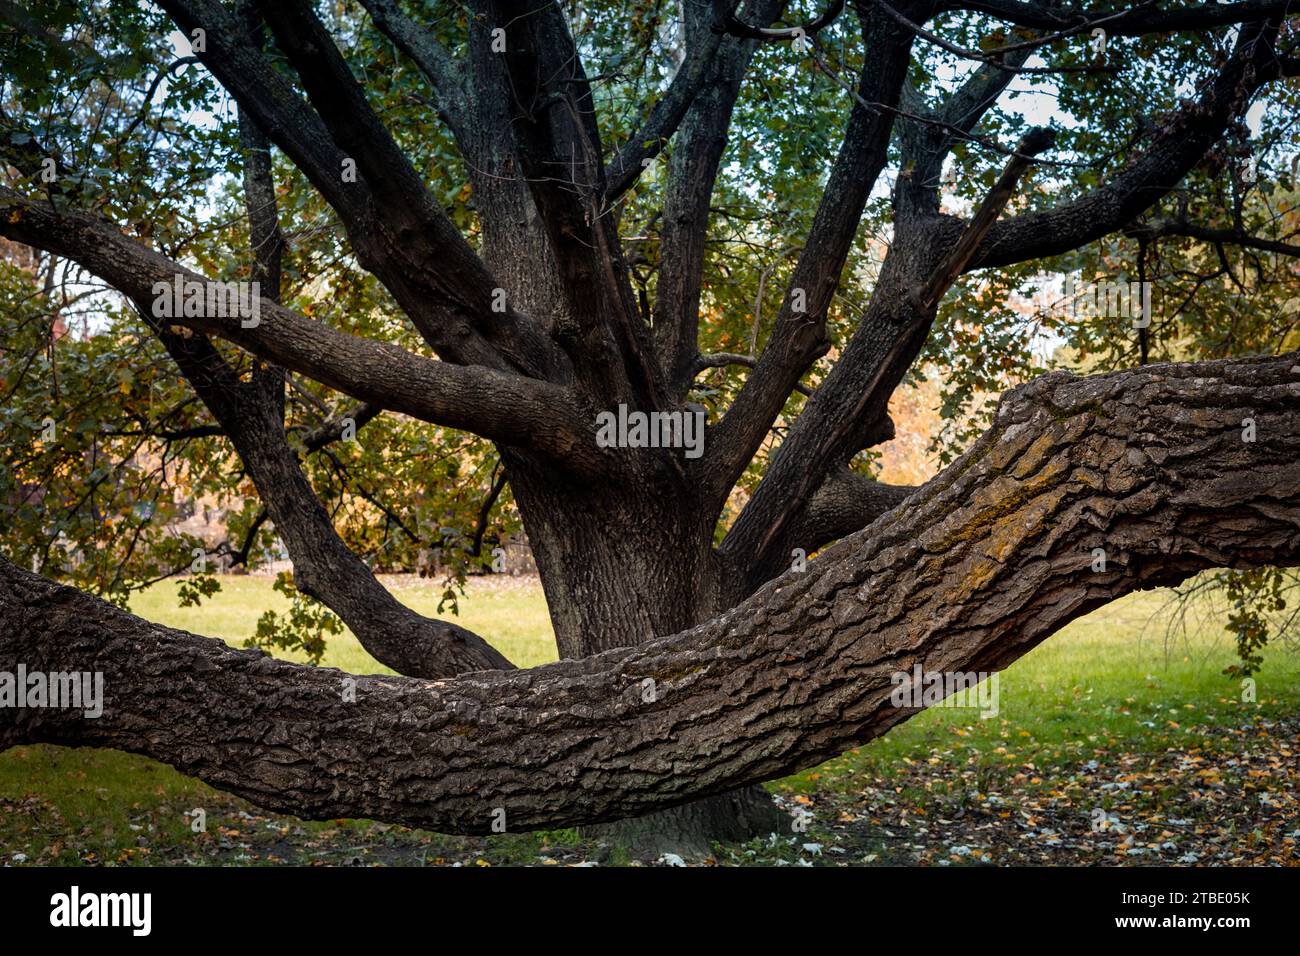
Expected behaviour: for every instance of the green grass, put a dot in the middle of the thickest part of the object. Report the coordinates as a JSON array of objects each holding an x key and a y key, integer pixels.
[
  {"x": 1107, "y": 680},
  {"x": 510, "y": 612}
]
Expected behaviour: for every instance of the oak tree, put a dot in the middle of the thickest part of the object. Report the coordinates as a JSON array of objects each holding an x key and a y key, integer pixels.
[{"x": 478, "y": 230}]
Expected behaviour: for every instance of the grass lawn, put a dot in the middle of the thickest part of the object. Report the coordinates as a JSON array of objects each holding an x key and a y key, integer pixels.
[{"x": 1111, "y": 745}]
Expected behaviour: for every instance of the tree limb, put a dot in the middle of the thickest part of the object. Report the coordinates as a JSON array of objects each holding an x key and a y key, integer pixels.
[
  {"x": 846, "y": 502},
  {"x": 1176, "y": 148},
  {"x": 559, "y": 147},
  {"x": 692, "y": 175},
  {"x": 968, "y": 574},
  {"x": 397, "y": 230},
  {"x": 799, "y": 332},
  {"x": 728, "y": 22},
  {"x": 430, "y": 56},
  {"x": 1232, "y": 237},
  {"x": 503, "y": 407}
]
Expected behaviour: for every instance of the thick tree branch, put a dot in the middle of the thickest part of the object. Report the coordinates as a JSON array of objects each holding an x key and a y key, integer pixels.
[
  {"x": 323, "y": 566},
  {"x": 692, "y": 175},
  {"x": 559, "y": 147},
  {"x": 850, "y": 409},
  {"x": 846, "y": 502},
  {"x": 251, "y": 415},
  {"x": 397, "y": 230},
  {"x": 1143, "y": 18},
  {"x": 799, "y": 332},
  {"x": 507, "y": 408},
  {"x": 1175, "y": 149},
  {"x": 969, "y": 573}
]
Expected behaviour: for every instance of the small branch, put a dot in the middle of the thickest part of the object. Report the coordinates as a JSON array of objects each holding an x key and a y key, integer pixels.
[
  {"x": 241, "y": 556},
  {"x": 728, "y": 22},
  {"x": 723, "y": 359},
  {"x": 1232, "y": 237},
  {"x": 485, "y": 510},
  {"x": 1034, "y": 142},
  {"x": 332, "y": 430}
]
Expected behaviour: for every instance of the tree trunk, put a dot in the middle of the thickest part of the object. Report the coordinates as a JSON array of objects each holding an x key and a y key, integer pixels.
[
  {"x": 621, "y": 563},
  {"x": 969, "y": 573},
  {"x": 619, "y": 572},
  {"x": 691, "y": 830}
]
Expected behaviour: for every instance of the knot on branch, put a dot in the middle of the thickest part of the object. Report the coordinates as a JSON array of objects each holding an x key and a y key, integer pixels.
[{"x": 1037, "y": 140}]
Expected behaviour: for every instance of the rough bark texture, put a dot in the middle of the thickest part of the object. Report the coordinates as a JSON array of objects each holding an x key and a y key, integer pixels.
[
  {"x": 692, "y": 828},
  {"x": 968, "y": 573}
]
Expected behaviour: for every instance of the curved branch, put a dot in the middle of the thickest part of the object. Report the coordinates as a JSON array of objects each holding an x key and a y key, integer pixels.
[
  {"x": 728, "y": 22},
  {"x": 724, "y": 359},
  {"x": 995, "y": 57},
  {"x": 323, "y": 565},
  {"x": 1143, "y": 18},
  {"x": 1175, "y": 150},
  {"x": 969, "y": 573},
  {"x": 430, "y": 56},
  {"x": 504, "y": 407}
]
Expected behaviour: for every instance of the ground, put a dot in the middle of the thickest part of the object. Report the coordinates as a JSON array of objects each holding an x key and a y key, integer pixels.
[{"x": 1118, "y": 741}]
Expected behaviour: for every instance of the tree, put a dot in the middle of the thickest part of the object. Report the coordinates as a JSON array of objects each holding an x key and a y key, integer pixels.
[{"x": 700, "y": 653}]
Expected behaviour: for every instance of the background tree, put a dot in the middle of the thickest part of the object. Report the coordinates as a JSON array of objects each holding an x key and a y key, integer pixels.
[{"x": 780, "y": 214}]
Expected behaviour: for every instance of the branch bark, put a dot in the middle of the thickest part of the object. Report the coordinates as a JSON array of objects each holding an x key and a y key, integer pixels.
[
  {"x": 502, "y": 406},
  {"x": 799, "y": 332},
  {"x": 969, "y": 573},
  {"x": 559, "y": 147},
  {"x": 1176, "y": 148}
]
